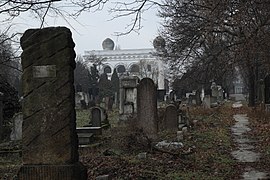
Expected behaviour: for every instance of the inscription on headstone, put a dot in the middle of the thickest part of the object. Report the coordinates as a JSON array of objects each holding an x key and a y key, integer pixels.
[{"x": 44, "y": 71}]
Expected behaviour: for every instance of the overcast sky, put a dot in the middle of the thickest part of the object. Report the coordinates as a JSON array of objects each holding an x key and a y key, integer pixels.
[{"x": 92, "y": 28}]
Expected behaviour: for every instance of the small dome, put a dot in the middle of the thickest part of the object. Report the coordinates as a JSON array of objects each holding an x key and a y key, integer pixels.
[
  {"x": 159, "y": 42},
  {"x": 108, "y": 44}
]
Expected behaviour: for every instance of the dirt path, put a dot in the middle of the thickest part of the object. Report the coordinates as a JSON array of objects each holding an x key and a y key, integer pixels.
[{"x": 245, "y": 152}]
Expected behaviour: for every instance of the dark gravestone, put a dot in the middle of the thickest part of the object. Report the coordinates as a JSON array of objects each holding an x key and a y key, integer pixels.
[
  {"x": 171, "y": 118},
  {"x": 147, "y": 107},
  {"x": 208, "y": 92},
  {"x": 49, "y": 139},
  {"x": 198, "y": 97},
  {"x": 78, "y": 88},
  {"x": 96, "y": 117},
  {"x": 267, "y": 89},
  {"x": 161, "y": 94},
  {"x": 260, "y": 91}
]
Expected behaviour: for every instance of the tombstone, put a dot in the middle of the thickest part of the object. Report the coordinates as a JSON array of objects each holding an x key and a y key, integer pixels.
[
  {"x": 78, "y": 88},
  {"x": 103, "y": 114},
  {"x": 198, "y": 98},
  {"x": 171, "y": 118},
  {"x": 128, "y": 97},
  {"x": 202, "y": 94},
  {"x": 16, "y": 133},
  {"x": 161, "y": 94},
  {"x": 49, "y": 139},
  {"x": 220, "y": 97},
  {"x": 172, "y": 96},
  {"x": 147, "y": 107},
  {"x": 214, "y": 89},
  {"x": 96, "y": 117},
  {"x": 260, "y": 91},
  {"x": 82, "y": 99},
  {"x": 78, "y": 99},
  {"x": 207, "y": 101},
  {"x": 208, "y": 92}
]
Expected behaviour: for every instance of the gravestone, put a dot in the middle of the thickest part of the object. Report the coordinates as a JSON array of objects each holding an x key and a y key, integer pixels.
[
  {"x": 128, "y": 97},
  {"x": 198, "y": 98},
  {"x": 267, "y": 89},
  {"x": 171, "y": 118},
  {"x": 161, "y": 94},
  {"x": 96, "y": 117},
  {"x": 207, "y": 101},
  {"x": 147, "y": 107},
  {"x": 260, "y": 91},
  {"x": 49, "y": 139},
  {"x": 214, "y": 89},
  {"x": 220, "y": 94},
  {"x": 16, "y": 133}
]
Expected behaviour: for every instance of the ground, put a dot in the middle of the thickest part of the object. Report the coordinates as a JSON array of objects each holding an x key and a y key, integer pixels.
[{"x": 123, "y": 152}]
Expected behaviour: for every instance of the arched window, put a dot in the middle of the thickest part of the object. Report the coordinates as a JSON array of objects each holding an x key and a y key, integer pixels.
[
  {"x": 121, "y": 69},
  {"x": 134, "y": 68},
  {"x": 107, "y": 69}
]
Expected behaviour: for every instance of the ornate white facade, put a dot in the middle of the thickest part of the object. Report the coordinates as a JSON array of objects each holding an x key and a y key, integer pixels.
[{"x": 133, "y": 62}]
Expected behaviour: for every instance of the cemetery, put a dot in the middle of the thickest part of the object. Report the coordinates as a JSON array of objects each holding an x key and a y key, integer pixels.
[{"x": 57, "y": 131}]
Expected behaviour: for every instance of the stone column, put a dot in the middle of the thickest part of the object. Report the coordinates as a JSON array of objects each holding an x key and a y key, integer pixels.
[
  {"x": 147, "y": 107},
  {"x": 49, "y": 139}
]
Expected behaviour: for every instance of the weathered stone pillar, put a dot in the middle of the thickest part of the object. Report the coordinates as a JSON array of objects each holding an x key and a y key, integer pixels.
[
  {"x": 147, "y": 107},
  {"x": 49, "y": 140},
  {"x": 128, "y": 97}
]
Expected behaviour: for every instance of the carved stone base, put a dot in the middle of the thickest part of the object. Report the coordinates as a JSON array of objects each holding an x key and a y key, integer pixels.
[{"x": 53, "y": 172}]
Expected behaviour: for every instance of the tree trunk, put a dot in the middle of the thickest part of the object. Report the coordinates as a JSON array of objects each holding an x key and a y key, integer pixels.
[{"x": 252, "y": 93}]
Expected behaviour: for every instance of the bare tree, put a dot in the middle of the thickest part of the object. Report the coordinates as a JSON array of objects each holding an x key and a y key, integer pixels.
[{"x": 214, "y": 36}]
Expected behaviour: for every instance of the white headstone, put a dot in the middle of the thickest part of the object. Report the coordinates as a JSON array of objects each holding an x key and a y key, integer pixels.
[{"x": 16, "y": 133}]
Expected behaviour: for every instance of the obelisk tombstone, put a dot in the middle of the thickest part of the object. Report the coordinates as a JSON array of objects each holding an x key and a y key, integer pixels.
[{"x": 49, "y": 139}]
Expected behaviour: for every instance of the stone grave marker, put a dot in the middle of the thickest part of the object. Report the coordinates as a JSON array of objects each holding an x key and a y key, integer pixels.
[
  {"x": 267, "y": 89},
  {"x": 16, "y": 133},
  {"x": 49, "y": 139},
  {"x": 171, "y": 118},
  {"x": 96, "y": 117},
  {"x": 260, "y": 91},
  {"x": 207, "y": 101},
  {"x": 214, "y": 89},
  {"x": 147, "y": 107},
  {"x": 198, "y": 97},
  {"x": 128, "y": 97}
]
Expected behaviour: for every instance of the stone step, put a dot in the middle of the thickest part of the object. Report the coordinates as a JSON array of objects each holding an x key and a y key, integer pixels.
[
  {"x": 85, "y": 138},
  {"x": 94, "y": 130},
  {"x": 85, "y": 135}
]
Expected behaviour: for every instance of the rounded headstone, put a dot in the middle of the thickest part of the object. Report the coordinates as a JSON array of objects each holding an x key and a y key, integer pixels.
[{"x": 108, "y": 44}]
